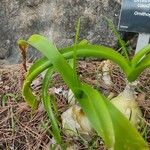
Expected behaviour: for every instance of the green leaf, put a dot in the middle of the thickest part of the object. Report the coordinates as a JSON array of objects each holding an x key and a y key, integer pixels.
[
  {"x": 104, "y": 128},
  {"x": 126, "y": 136},
  {"x": 83, "y": 50},
  {"x": 105, "y": 118},
  {"x": 140, "y": 67},
  {"x": 89, "y": 50},
  {"x": 51, "y": 52},
  {"x": 95, "y": 105},
  {"x": 145, "y": 62},
  {"x": 48, "y": 106},
  {"x": 33, "y": 72},
  {"x": 97, "y": 112},
  {"x": 37, "y": 64},
  {"x": 139, "y": 56}
]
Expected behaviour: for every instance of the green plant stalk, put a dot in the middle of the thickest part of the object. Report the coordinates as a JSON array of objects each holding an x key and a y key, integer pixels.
[
  {"x": 55, "y": 107},
  {"x": 132, "y": 69},
  {"x": 48, "y": 107},
  {"x": 121, "y": 42},
  {"x": 144, "y": 62},
  {"x": 73, "y": 62},
  {"x": 140, "y": 55},
  {"x": 75, "y": 51},
  {"x": 37, "y": 65}
]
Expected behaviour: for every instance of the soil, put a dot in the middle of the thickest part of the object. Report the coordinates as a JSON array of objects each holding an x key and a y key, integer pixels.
[{"x": 22, "y": 129}]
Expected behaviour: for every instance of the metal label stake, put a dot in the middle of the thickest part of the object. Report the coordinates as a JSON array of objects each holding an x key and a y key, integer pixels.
[
  {"x": 135, "y": 17},
  {"x": 143, "y": 40}
]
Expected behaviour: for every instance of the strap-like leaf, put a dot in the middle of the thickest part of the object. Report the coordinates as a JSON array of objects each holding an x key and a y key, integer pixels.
[
  {"x": 145, "y": 62},
  {"x": 51, "y": 52},
  {"x": 140, "y": 67},
  {"x": 101, "y": 52},
  {"x": 48, "y": 106},
  {"x": 100, "y": 112},
  {"x": 126, "y": 136},
  {"x": 26, "y": 90},
  {"x": 100, "y": 121},
  {"x": 97, "y": 112},
  {"x": 85, "y": 51},
  {"x": 139, "y": 56},
  {"x": 37, "y": 64}
]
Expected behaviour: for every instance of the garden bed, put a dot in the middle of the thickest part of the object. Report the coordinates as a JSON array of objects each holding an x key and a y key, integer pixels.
[{"x": 22, "y": 129}]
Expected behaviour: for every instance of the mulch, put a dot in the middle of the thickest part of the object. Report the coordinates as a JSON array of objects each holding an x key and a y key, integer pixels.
[{"x": 22, "y": 129}]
